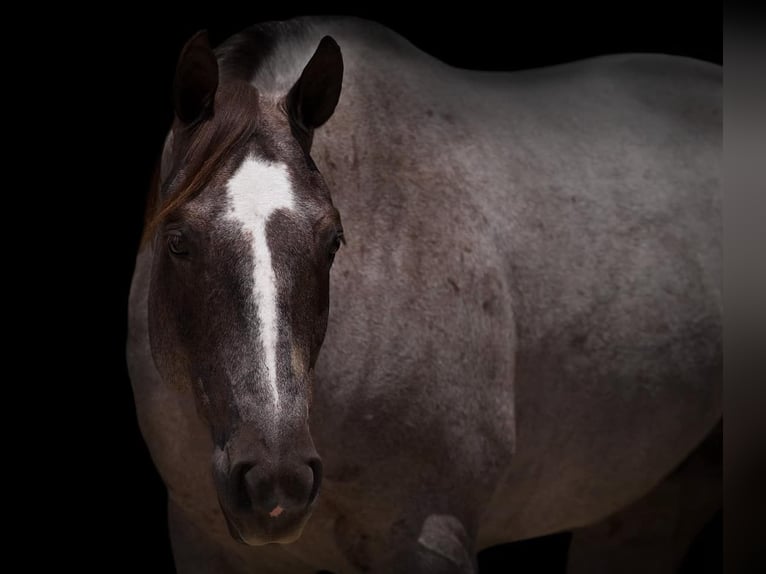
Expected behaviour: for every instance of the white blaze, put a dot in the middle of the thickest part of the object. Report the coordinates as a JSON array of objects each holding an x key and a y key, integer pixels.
[{"x": 255, "y": 191}]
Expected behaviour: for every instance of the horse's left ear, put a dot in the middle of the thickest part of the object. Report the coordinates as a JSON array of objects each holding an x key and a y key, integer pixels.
[{"x": 312, "y": 100}]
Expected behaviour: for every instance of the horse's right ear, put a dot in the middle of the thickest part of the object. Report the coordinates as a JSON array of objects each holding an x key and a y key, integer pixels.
[{"x": 196, "y": 79}]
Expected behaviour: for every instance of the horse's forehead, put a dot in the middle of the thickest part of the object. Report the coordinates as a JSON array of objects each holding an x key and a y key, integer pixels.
[{"x": 258, "y": 188}]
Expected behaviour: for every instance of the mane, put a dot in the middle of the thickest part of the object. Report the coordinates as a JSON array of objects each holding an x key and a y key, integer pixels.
[
  {"x": 270, "y": 54},
  {"x": 200, "y": 150}
]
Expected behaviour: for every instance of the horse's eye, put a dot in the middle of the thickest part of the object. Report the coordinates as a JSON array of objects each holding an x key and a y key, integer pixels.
[
  {"x": 335, "y": 245},
  {"x": 177, "y": 245}
]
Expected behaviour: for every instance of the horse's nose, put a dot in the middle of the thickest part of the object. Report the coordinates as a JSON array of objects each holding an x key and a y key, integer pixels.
[{"x": 273, "y": 489}]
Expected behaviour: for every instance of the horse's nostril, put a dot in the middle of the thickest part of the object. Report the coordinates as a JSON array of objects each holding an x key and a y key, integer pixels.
[
  {"x": 271, "y": 489},
  {"x": 316, "y": 468},
  {"x": 241, "y": 491}
]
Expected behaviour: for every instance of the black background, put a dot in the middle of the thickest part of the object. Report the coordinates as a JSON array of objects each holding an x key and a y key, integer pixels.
[{"x": 119, "y": 495}]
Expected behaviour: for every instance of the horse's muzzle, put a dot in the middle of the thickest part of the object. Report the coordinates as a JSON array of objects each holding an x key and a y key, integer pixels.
[{"x": 267, "y": 494}]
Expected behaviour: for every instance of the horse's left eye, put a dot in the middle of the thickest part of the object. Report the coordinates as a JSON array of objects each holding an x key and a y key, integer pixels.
[{"x": 336, "y": 242}]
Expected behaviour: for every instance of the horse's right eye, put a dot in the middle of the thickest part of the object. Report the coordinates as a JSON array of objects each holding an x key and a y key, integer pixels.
[{"x": 176, "y": 244}]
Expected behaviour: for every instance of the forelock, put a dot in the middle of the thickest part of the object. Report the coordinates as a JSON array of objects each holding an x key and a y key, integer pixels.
[{"x": 200, "y": 150}]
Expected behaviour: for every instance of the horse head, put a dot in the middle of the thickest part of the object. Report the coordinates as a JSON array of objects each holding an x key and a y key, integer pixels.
[{"x": 243, "y": 233}]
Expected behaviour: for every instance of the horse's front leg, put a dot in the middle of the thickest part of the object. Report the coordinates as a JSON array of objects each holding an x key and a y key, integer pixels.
[{"x": 432, "y": 543}]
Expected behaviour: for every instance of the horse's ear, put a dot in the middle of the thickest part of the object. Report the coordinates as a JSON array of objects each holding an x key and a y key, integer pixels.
[
  {"x": 312, "y": 100},
  {"x": 196, "y": 79}
]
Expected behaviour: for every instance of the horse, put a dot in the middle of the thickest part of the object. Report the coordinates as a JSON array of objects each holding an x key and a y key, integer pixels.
[{"x": 525, "y": 329}]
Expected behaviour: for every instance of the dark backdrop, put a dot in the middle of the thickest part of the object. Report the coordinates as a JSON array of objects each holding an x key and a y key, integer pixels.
[{"x": 123, "y": 500}]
